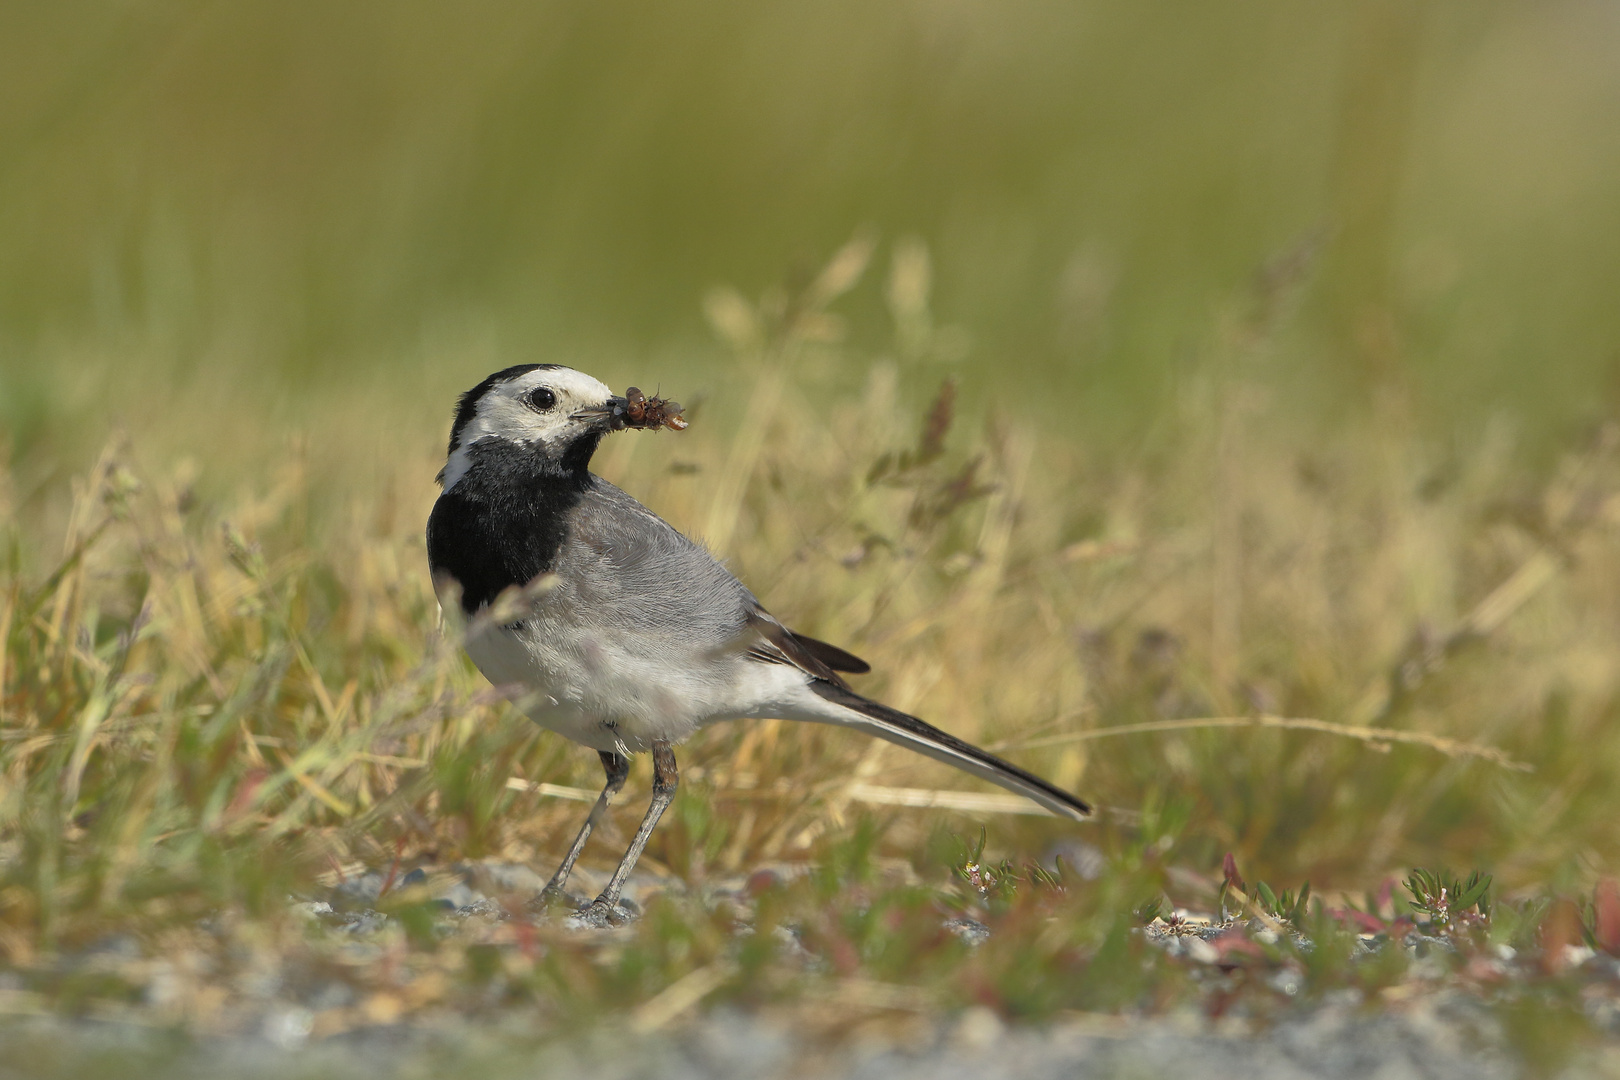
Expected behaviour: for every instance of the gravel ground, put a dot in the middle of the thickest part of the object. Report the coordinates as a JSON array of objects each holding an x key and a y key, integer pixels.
[
  {"x": 1432, "y": 1032},
  {"x": 1433, "y": 1043}
]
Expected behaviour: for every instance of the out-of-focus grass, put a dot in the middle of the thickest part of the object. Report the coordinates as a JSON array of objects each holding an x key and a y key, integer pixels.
[
  {"x": 235, "y": 211},
  {"x": 212, "y": 703}
]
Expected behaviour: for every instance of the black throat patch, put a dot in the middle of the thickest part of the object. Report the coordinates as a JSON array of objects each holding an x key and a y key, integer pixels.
[{"x": 506, "y": 518}]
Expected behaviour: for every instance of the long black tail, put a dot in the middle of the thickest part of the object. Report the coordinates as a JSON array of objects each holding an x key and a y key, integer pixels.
[{"x": 897, "y": 727}]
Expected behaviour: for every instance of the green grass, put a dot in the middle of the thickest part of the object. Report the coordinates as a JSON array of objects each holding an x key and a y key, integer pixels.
[{"x": 1336, "y": 658}]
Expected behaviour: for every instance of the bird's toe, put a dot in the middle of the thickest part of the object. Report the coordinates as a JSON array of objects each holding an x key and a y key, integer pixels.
[{"x": 600, "y": 914}]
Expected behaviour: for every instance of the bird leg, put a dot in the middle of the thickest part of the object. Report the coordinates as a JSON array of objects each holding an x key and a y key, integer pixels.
[
  {"x": 617, "y": 767},
  {"x": 665, "y": 779}
]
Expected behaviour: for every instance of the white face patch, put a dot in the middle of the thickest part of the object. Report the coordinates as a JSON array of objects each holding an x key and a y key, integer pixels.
[{"x": 506, "y": 412}]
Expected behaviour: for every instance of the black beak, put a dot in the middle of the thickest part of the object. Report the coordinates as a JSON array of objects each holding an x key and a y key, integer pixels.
[{"x": 608, "y": 416}]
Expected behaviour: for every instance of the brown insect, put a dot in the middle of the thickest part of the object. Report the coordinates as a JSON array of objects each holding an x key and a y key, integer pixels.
[{"x": 641, "y": 411}]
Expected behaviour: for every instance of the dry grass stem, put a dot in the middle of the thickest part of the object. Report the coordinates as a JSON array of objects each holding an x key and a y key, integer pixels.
[
  {"x": 681, "y": 995},
  {"x": 970, "y": 802},
  {"x": 1374, "y": 735},
  {"x": 555, "y": 791}
]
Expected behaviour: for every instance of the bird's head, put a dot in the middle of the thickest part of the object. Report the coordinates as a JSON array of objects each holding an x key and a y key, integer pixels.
[{"x": 556, "y": 413}]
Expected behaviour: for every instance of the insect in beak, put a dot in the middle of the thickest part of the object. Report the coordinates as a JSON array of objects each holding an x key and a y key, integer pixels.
[{"x": 636, "y": 410}]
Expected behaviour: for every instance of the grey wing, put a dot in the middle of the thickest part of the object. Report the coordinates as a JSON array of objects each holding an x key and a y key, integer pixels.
[{"x": 636, "y": 574}]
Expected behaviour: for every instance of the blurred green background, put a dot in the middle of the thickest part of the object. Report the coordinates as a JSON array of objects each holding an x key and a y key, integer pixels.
[{"x": 211, "y": 214}]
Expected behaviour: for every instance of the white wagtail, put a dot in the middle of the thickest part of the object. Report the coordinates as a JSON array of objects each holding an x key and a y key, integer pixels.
[{"x": 630, "y": 637}]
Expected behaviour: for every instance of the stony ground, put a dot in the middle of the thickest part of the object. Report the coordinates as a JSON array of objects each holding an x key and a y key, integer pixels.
[
  {"x": 1439, "y": 1040},
  {"x": 294, "y": 1016}
]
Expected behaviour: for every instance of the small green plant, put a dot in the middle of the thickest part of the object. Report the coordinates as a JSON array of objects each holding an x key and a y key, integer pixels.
[
  {"x": 1288, "y": 907},
  {"x": 998, "y": 884},
  {"x": 1447, "y": 901}
]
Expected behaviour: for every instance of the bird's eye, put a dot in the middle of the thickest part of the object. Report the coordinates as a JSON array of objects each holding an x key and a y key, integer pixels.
[{"x": 541, "y": 398}]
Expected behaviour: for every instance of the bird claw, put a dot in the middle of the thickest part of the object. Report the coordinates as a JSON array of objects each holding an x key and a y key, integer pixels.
[{"x": 600, "y": 915}]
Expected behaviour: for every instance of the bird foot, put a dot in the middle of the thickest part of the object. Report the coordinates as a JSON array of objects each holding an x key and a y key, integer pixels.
[{"x": 600, "y": 915}]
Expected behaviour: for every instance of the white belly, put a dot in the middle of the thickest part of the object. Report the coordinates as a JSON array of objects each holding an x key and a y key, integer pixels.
[
  {"x": 597, "y": 691},
  {"x": 621, "y": 691}
]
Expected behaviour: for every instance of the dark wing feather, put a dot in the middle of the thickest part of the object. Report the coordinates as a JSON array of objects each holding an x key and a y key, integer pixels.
[
  {"x": 831, "y": 655},
  {"x": 776, "y": 644}
]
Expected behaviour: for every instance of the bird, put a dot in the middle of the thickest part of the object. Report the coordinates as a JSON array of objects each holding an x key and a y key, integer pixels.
[{"x": 606, "y": 625}]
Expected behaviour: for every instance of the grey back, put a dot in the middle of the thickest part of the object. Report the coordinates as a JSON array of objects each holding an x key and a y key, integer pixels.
[{"x": 636, "y": 574}]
